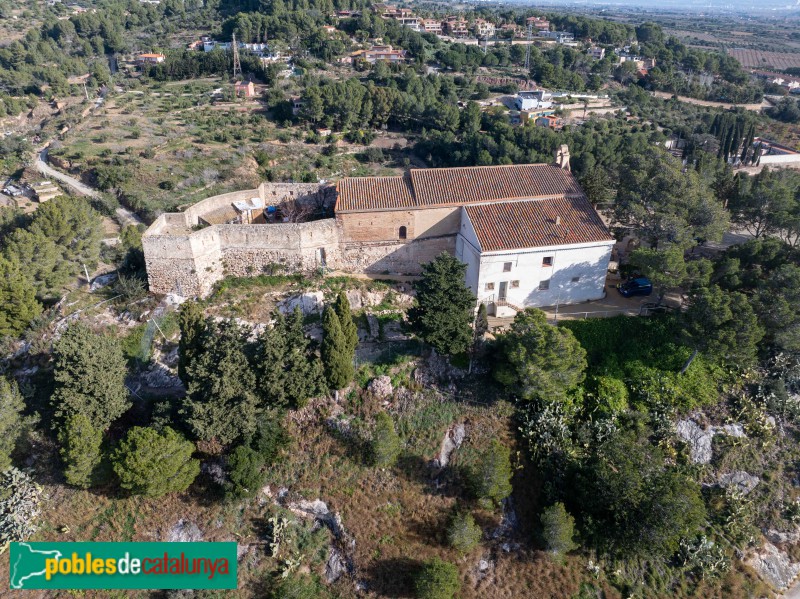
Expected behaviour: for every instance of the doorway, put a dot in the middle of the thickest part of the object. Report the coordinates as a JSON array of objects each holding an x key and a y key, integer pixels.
[{"x": 501, "y": 294}]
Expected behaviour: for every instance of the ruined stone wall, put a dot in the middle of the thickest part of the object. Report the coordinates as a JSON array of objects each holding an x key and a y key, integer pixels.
[{"x": 190, "y": 264}]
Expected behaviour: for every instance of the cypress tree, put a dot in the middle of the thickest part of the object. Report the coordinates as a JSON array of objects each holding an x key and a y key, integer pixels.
[
  {"x": 80, "y": 450},
  {"x": 336, "y": 358},
  {"x": 193, "y": 328},
  {"x": 304, "y": 371},
  {"x": 385, "y": 446},
  {"x": 271, "y": 363},
  {"x": 349, "y": 328}
]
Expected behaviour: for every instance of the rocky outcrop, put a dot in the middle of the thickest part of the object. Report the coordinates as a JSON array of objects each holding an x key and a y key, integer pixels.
[
  {"x": 453, "y": 439},
  {"x": 699, "y": 439},
  {"x": 774, "y": 566}
]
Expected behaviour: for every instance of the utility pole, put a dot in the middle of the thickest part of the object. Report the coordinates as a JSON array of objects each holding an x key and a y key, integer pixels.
[
  {"x": 237, "y": 66},
  {"x": 85, "y": 91},
  {"x": 88, "y": 280}
]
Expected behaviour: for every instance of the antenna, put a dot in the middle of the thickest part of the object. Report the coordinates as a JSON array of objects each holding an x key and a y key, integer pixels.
[
  {"x": 237, "y": 66},
  {"x": 528, "y": 47}
]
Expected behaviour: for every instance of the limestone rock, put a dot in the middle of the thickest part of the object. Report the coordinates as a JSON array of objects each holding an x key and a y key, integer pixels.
[
  {"x": 374, "y": 326},
  {"x": 741, "y": 480},
  {"x": 776, "y": 536},
  {"x": 698, "y": 439},
  {"x": 774, "y": 566},
  {"x": 309, "y": 303},
  {"x": 185, "y": 531},
  {"x": 335, "y": 566},
  {"x": 354, "y": 297},
  {"x": 381, "y": 387},
  {"x": 453, "y": 439}
]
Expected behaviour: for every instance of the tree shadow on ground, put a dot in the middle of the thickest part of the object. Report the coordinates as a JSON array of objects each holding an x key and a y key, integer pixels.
[{"x": 393, "y": 577}]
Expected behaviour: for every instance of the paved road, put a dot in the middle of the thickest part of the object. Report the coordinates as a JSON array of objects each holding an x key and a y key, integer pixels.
[
  {"x": 124, "y": 216},
  {"x": 41, "y": 165}
]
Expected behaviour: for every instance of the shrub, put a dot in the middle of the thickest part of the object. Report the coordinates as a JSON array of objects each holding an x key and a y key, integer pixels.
[
  {"x": 462, "y": 532},
  {"x": 490, "y": 478},
  {"x": 437, "y": 579},
  {"x": 245, "y": 472},
  {"x": 80, "y": 450},
  {"x": 558, "y": 529},
  {"x": 385, "y": 445},
  {"x": 153, "y": 463},
  {"x": 20, "y": 498},
  {"x": 610, "y": 395},
  {"x": 12, "y": 424}
]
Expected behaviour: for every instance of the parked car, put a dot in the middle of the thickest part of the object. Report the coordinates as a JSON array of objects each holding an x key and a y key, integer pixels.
[{"x": 637, "y": 286}]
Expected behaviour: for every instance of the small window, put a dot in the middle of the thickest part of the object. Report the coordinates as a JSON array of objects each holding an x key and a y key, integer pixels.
[
  {"x": 489, "y": 286},
  {"x": 575, "y": 279},
  {"x": 507, "y": 266},
  {"x": 544, "y": 285},
  {"x": 514, "y": 284},
  {"x": 547, "y": 261},
  {"x": 403, "y": 233}
]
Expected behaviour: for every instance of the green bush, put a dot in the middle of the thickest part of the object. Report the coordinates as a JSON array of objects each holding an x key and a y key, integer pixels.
[
  {"x": 558, "y": 529},
  {"x": 462, "y": 532},
  {"x": 489, "y": 479},
  {"x": 245, "y": 472},
  {"x": 437, "y": 579},
  {"x": 385, "y": 445},
  {"x": 609, "y": 395}
]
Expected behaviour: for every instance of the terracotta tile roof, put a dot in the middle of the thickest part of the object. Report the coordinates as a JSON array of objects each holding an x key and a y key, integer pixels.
[
  {"x": 374, "y": 193},
  {"x": 528, "y": 224},
  {"x": 462, "y": 185}
]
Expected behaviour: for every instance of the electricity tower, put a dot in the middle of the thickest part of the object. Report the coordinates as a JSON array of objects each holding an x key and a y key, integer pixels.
[
  {"x": 237, "y": 66},
  {"x": 528, "y": 48}
]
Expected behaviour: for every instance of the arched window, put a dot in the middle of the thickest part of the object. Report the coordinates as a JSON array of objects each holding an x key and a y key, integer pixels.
[{"x": 403, "y": 233}]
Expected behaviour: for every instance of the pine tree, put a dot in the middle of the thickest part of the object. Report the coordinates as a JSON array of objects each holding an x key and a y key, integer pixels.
[
  {"x": 271, "y": 357},
  {"x": 437, "y": 579},
  {"x": 221, "y": 402},
  {"x": 89, "y": 376},
  {"x": 154, "y": 463},
  {"x": 193, "y": 328},
  {"x": 385, "y": 445},
  {"x": 349, "y": 328},
  {"x": 489, "y": 478},
  {"x": 12, "y": 423},
  {"x": 80, "y": 450},
  {"x": 18, "y": 305},
  {"x": 336, "y": 357},
  {"x": 462, "y": 533},
  {"x": 444, "y": 311},
  {"x": 558, "y": 529}
]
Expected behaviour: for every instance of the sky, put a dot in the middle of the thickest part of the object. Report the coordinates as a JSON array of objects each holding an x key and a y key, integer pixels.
[{"x": 775, "y": 7}]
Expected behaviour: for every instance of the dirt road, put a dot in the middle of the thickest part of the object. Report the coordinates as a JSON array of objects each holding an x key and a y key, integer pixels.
[{"x": 754, "y": 107}]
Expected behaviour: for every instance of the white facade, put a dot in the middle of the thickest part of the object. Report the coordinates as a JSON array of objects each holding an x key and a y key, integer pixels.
[{"x": 533, "y": 277}]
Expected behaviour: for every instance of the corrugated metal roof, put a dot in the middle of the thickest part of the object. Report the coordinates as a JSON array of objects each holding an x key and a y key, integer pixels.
[
  {"x": 529, "y": 224},
  {"x": 461, "y": 185}
]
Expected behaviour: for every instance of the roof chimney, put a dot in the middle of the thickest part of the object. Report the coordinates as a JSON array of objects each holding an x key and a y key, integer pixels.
[
  {"x": 562, "y": 157},
  {"x": 558, "y": 220}
]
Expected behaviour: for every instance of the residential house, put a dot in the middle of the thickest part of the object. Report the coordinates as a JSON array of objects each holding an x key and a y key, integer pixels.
[
  {"x": 550, "y": 121},
  {"x": 560, "y": 37},
  {"x": 456, "y": 27},
  {"x": 533, "y": 100},
  {"x": 597, "y": 53},
  {"x": 144, "y": 59},
  {"x": 432, "y": 26},
  {"x": 244, "y": 89},
  {"x": 45, "y": 191},
  {"x": 375, "y": 54},
  {"x": 483, "y": 29},
  {"x": 329, "y": 29},
  {"x": 538, "y": 23},
  {"x": 297, "y": 104}
]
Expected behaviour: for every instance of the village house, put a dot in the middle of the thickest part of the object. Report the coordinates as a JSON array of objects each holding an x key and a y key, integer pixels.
[
  {"x": 538, "y": 23},
  {"x": 483, "y": 29},
  {"x": 144, "y": 59},
  {"x": 527, "y": 233},
  {"x": 244, "y": 89},
  {"x": 432, "y": 26},
  {"x": 456, "y": 27},
  {"x": 597, "y": 53},
  {"x": 297, "y": 104},
  {"x": 550, "y": 121}
]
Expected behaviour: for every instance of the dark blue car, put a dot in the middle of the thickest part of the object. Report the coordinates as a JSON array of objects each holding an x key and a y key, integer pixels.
[{"x": 637, "y": 286}]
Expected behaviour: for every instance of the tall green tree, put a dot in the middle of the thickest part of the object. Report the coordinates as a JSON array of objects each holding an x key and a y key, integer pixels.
[
  {"x": 345, "y": 314},
  {"x": 221, "y": 401},
  {"x": 724, "y": 324},
  {"x": 12, "y": 423},
  {"x": 558, "y": 529},
  {"x": 18, "y": 305},
  {"x": 89, "y": 374},
  {"x": 443, "y": 313},
  {"x": 489, "y": 478},
  {"x": 337, "y": 357},
  {"x": 305, "y": 376},
  {"x": 539, "y": 361},
  {"x": 153, "y": 463},
  {"x": 385, "y": 445},
  {"x": 193, "y": 328},
  {"x": 80, "y": 450}
]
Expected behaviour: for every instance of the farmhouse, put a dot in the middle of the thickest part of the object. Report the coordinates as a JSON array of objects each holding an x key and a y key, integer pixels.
[{"x": 527, "y": 232}]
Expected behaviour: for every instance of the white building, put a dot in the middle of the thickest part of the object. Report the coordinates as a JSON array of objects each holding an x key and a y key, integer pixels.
[{"x": 534, "y": 252}]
